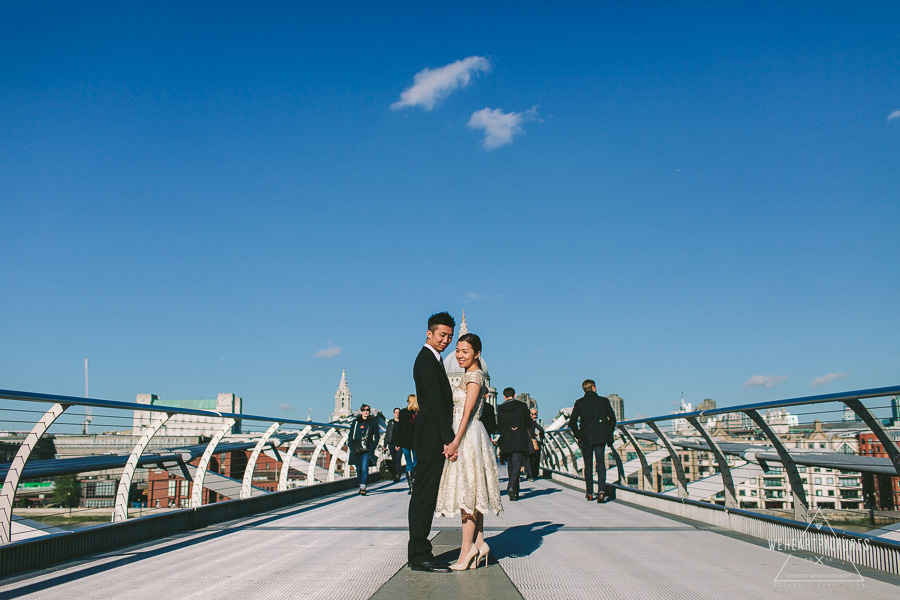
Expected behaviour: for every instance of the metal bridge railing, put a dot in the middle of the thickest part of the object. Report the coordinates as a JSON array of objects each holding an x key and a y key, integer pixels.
[
  {"x": 762, "y": 443},
  {"x": 188, "y": 461}
]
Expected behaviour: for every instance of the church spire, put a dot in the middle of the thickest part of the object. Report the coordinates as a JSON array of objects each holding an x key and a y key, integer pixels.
[
  {"x": 463, "y": 328},
  {"x": 342, "y": 399}
]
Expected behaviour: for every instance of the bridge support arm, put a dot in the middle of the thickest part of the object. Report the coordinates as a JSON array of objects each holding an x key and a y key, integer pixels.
[
  {"x": 555, "y": 458},
  {"x": 120, "y": 513},
  {"x": 801, "y": 506},
  {"x": 286, "y": 465},
  {"x": 311, "y": 472},
  {"x": 645, "y": 466},
  {"x": 11, "y": 483},
  {"x": 724, "y": 469},
  {"x": 200, "y": 473},
  {"x": 335, "y": 451},
  {"x": 247, "y": 485},
  {"x": 680, "y": 480}
]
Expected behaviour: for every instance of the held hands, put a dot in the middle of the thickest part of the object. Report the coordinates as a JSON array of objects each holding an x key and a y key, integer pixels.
[{"x": 451, "y": 450}]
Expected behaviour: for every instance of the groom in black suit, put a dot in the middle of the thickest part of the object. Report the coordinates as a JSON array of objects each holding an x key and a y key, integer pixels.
[{"x": 432, "y": 435}]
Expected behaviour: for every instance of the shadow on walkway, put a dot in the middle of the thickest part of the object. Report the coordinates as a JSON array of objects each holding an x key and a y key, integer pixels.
[{"x": 521, "y": 540}]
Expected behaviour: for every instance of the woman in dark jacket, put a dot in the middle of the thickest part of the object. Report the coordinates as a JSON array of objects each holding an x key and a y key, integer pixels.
[
  {"x": 403, "y": 436},
  {"x": 362, "y": 441}
]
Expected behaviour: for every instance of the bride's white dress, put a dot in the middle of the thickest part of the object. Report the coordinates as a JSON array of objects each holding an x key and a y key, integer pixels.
[{"x": 470, "y": 482}]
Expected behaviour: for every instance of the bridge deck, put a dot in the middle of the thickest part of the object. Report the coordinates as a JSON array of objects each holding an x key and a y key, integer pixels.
[{"x": 551, "y": 544}]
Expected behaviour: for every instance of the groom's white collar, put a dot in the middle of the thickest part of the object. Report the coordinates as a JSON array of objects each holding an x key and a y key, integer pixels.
[{"x": 437, "y": 354}]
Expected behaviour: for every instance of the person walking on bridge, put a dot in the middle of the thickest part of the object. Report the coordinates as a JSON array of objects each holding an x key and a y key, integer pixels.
[
  {"x": 403, "y": 436},
  {"x": 363, "y": 439},
  {"x": 513, "y": 422},
  {"x": 593, "y": 422}
]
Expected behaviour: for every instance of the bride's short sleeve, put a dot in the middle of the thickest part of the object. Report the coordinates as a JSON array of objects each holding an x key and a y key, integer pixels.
[{"x": 474, "y": 377}]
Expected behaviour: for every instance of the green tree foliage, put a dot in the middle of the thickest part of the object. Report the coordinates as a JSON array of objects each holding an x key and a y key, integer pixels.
[{"x": 67, "y": 491}]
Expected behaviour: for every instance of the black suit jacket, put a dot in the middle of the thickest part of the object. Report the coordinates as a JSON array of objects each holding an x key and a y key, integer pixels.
[
  {"x": 488, "y": 418},
  {"x": 593, "y": 420},
  {"x": 513, "y": 421},
  {"x": 434, "y": 422}
]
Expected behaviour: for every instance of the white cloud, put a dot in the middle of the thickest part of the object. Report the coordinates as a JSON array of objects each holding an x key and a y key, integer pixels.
[
  {"x": 330, "y": 352},
  {"x": 826, "y": 379},
  {"x": 285, "y": 407},
  {"x": 500, "y": 127},
  {"x": 894, "y": 115},
  {"x": 767, "y": 381},
  {"x": 472, "y": 296},
  {"x": 433, "y": 85}
]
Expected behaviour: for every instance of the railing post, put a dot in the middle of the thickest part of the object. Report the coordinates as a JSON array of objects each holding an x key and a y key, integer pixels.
[
  {"x": 680, "y": 480},
  {"x": 724, "y": 469},
  {"x": 247, "y": 485},
  {"x": 120, "y": 513},
  {"x": 286, "y": 465},
  {"x": 801, "y": 507},
  {"x": 200, "y": 473},
  {"x": 17, "y": 467},
  {"x": 645, "y": 466}
]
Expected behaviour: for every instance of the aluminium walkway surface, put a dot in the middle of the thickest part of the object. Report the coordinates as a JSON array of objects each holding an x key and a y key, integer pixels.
[{"x": 550, "y": 544}]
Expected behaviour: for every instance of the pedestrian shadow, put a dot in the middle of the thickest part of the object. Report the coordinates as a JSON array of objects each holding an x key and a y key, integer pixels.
[
  {"x": 525, "y": 494},
  {"x": 521, "y": 540}
]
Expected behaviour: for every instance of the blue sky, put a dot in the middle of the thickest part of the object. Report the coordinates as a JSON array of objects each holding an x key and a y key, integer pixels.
[{"x": 673, "y": 199}]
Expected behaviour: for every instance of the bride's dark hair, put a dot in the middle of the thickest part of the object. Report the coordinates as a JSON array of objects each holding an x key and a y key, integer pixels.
[{"x": 473, "y": 340}]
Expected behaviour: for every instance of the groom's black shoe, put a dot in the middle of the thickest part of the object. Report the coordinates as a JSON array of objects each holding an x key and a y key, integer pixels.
[{"x": 430, "y": 567}]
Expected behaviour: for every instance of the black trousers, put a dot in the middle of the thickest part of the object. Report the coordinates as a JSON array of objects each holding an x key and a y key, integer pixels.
[
  {"x": 594, "y": 455},
  {"x": 513, "y": 471},
  {"x": 395, "y": 460},
  {"x": 533, "y": 465},
  {"x": 429, "y": 467}
]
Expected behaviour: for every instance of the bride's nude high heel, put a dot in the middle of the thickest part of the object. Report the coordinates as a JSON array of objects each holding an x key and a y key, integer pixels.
[
  {"x": 465, "y": 562},
  {"x": 483, "y": 551}
]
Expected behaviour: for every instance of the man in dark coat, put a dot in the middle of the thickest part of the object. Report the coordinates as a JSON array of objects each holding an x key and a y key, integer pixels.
[
  {"x": 432, "y": 439},
  {"x": 390, "y": 442},
  {"x": 593, "y": 422},
  {"x": 513, "y": 422}
]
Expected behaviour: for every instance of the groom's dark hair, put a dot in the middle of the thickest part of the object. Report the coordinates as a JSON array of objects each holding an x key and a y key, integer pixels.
[{"x": 441, "y": 318}]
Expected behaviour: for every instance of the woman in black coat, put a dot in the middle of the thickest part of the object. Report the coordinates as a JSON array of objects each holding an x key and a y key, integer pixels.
[
  {"x": 362, "y": 441},
  {"x": 403, "y": 436}
]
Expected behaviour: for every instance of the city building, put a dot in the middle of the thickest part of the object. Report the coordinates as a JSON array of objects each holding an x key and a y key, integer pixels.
[
  {"x": 881, "y": 492},
  {"x": 618, "y": 406},
  {"x": 187, "y": 425}
]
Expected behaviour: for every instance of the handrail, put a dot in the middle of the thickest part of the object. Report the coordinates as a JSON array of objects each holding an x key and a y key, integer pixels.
[
  {"x": 118, "y": 404},
  {"x": 854, "y": 395}
]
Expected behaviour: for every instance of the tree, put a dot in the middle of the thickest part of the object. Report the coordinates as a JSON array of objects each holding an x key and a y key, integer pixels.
[{"x": 67, "y": 491}]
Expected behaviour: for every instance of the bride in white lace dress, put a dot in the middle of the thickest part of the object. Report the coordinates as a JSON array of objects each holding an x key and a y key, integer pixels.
[{"x": 470, "y": 485}]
